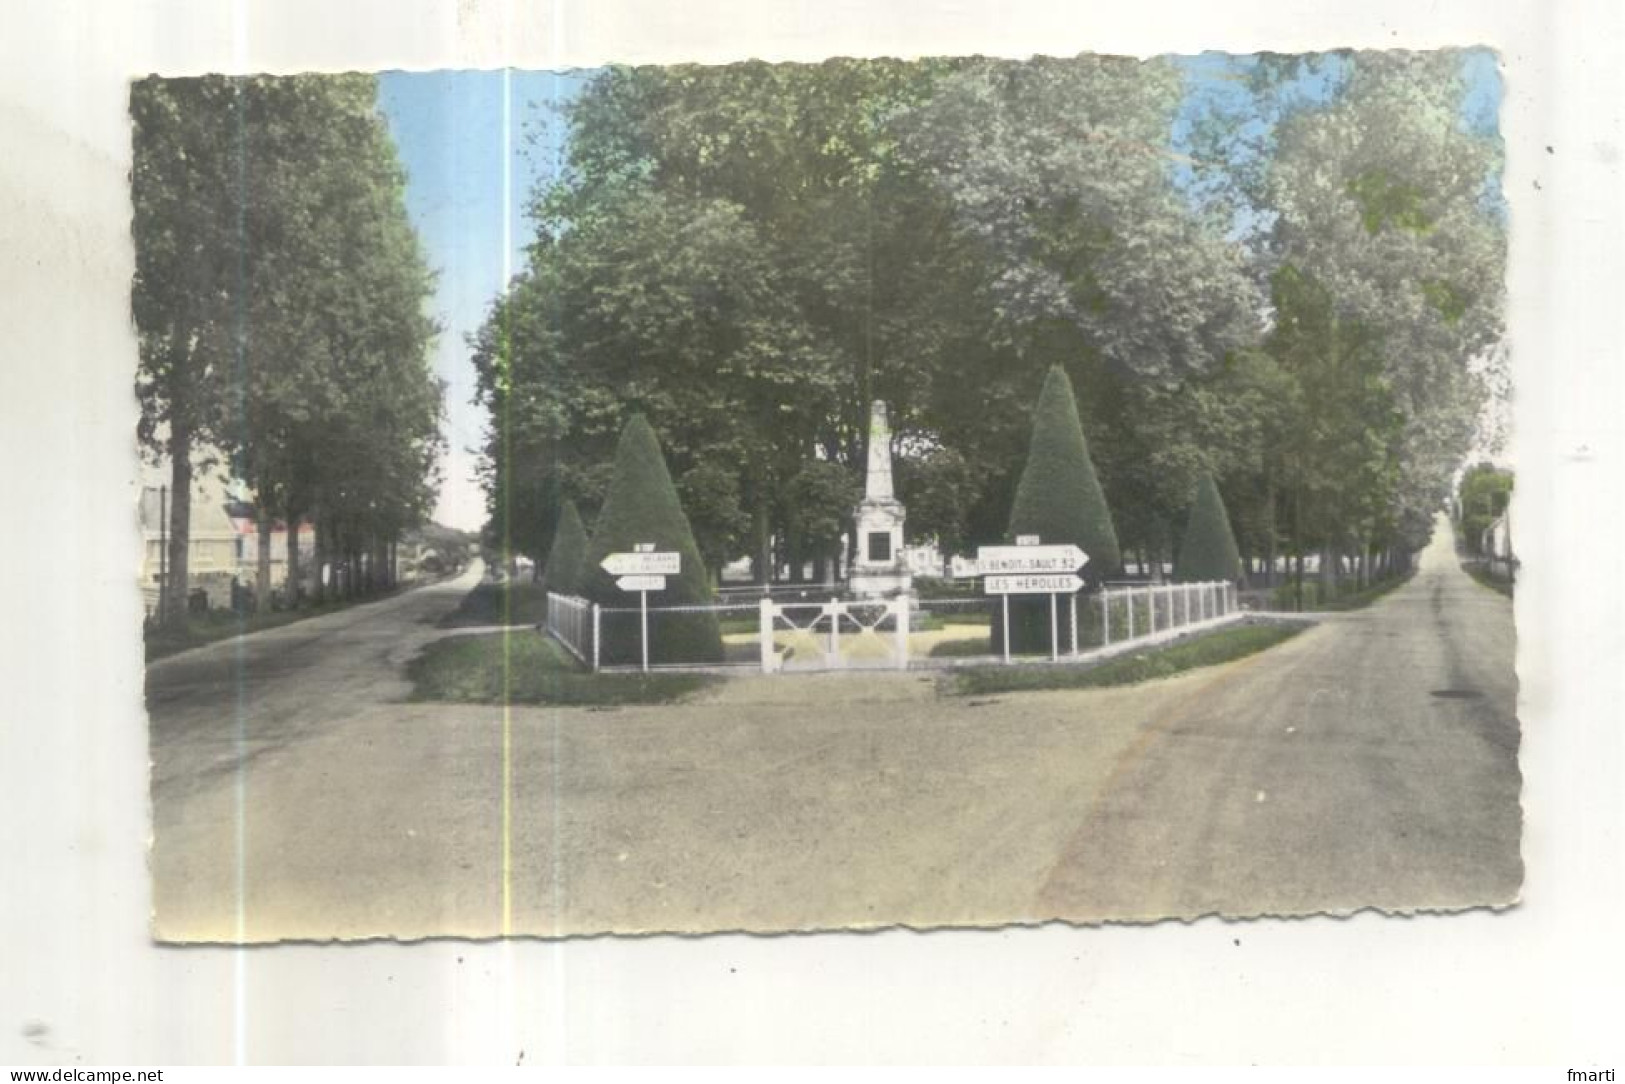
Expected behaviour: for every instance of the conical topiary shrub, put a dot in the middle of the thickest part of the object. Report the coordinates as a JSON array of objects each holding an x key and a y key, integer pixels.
[
  {"x": 1208, "y": 551},
  {"x": 642, "y": 507},
  {"x": 1059, "y": 499},
  {"x": 567, "y": 559}
]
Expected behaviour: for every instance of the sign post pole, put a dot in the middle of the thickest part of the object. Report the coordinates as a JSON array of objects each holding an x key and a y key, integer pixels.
[
  {"x": 1032, "y": 568},
  {"x": 1006, "y": 628},
  {"x": 643, "y": 570},
  {"x": 1054, "y": 630},
  {"x": 643, "y": 616}
]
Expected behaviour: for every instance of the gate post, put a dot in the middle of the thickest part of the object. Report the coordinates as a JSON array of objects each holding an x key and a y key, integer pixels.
[
  {"x": 900, "y": 607},
  {"x": 765, "y": 613}
]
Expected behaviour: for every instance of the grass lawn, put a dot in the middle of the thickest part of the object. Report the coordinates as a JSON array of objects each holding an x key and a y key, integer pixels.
[
  {"x": 528, "y": 667},
  {"x": 515, "y": 603},
  {"x": 1482, "y": 575},
  {"x": 1209, "y": 650}
]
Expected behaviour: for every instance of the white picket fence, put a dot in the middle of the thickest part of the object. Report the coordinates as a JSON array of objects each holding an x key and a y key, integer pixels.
[
  {"x": 574, "y": 622},
  {"x": 1155, "y": 612},
  {"x": 907, "y": 633}
]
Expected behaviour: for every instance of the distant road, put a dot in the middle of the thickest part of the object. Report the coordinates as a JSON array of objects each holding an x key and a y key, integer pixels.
[{"x": 1371, "y": 761}]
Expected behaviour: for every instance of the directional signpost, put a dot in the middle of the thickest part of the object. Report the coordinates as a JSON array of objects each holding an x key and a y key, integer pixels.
[
  {"x": 1030, "y": 568},
  {"x": 643, "y": 571}
]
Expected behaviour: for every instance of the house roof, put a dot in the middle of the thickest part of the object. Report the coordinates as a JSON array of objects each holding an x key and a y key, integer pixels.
[{"x": 208, "y": 513}]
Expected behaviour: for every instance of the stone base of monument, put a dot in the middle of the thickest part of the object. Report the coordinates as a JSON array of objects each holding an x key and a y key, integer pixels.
[{"x": 879, "y": 582}]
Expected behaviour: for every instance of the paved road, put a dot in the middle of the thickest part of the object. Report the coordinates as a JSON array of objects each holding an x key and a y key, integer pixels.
[{"x": 1371, "y": 761}]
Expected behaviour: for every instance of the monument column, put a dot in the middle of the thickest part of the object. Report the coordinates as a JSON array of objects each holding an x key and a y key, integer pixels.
[{"x": 879, "y": 571}]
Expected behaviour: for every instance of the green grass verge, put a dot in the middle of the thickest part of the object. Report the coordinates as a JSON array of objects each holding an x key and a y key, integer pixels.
[
  {"x": 1349, "y": 599},
  {"x": 515, "y": 603},
  {"x": 1222, "y": 646},
  {"x": 733, "y": 624},
  {"x": 207, "y": 628},
  {"x": 1361, "y": 599},
  {"x": 1482, "y": 575},
  {"x": 962, "y": 648},
  {"x": 528, "y": 667}
]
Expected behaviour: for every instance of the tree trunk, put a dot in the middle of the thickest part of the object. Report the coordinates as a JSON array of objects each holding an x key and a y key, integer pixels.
[
  {"x": 319, "y": 558},
  {"x": 1297, "y": 546},
  {"x": 1269, "y": 531},
  {"x": 180, "y": 518},
  {"x": 761, "y": 545},
  {"x": 793, "y": 555},
  {"x": 294, "y": 572},
  {"x": 262, "y": 565}
]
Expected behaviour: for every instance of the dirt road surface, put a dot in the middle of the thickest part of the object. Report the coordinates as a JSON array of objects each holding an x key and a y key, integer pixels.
[{"x": 1369, "y": 762}]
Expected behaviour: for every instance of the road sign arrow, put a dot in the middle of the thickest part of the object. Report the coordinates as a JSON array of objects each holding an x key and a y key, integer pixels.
[
  {"x": 1030, "y": 559},
  {"x": 641, "y": 583},
  {"x": 659, "y": 563}
]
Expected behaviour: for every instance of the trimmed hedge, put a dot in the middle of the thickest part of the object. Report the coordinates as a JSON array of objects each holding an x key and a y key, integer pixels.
[
  {"x": 1059, "y": 499},
  {"x": 1209, "y": 550},
  {"x": 642, "y": 506},
  {"x": 566, "y": 561}
]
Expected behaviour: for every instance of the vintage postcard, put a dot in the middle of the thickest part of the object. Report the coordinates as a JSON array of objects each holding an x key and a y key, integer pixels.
[{"x": 946, "y": 492}]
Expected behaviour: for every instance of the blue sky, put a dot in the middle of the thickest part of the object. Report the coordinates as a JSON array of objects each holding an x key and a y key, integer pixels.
[{"x": 476, "y": 144}]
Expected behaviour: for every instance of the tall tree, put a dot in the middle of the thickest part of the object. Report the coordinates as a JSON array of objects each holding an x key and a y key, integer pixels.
[
  {"x": 185, "y": 271},
  {"x": 280, "y": 293},
  {"x": 1386, "y": 203}
]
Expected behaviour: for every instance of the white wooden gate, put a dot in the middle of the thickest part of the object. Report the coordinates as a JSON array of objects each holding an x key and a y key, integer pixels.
[{"x": 841, "y": 634}]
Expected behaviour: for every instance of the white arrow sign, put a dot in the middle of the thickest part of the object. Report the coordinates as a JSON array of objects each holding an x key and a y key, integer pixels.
[
  {"x": 1027, "y": 559},
  {"x": 641, "y": 583},
  {"x": 664, "y": 563},
  {"x": 1032, "y": 585}
]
